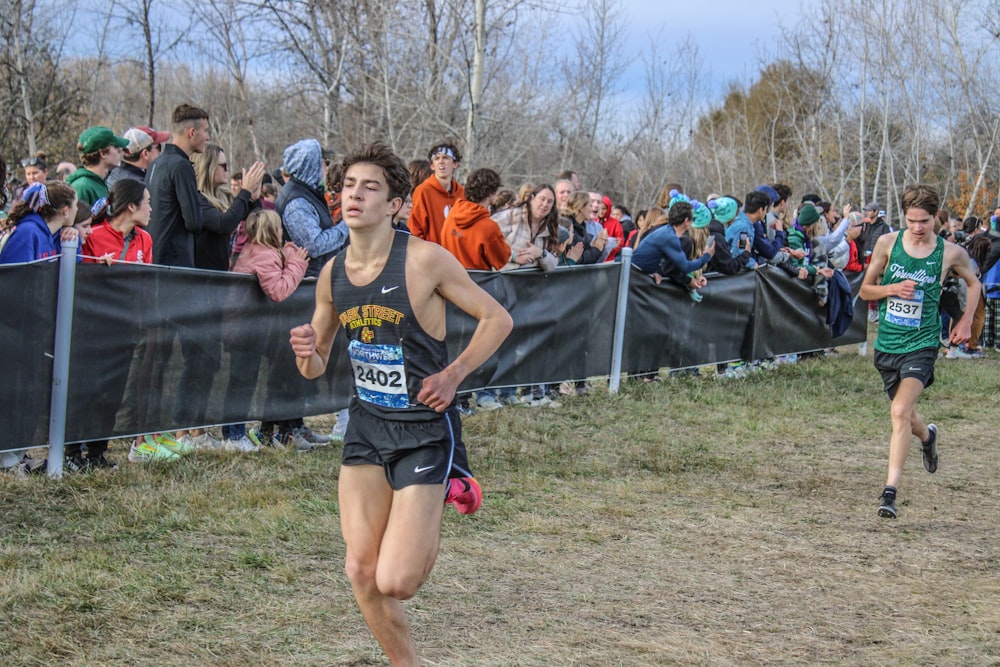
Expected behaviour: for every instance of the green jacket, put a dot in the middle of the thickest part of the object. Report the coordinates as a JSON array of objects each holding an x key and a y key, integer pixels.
[
  {"x": 89, "y": 186},
  {"x": 798, "y": 241}
]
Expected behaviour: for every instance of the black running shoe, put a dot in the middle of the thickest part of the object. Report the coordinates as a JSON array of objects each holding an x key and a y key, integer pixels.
[
  {"x": 930, "y": 449},
  {"x": 887, "y": 506},
  {"x": 100, "y": 463},
  {"x": 76, "y": 463}
]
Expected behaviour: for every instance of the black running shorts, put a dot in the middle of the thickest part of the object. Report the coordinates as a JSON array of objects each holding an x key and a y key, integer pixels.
[
  {"x": 918, "y": 364},
  {"x": 420, "y": 452}
]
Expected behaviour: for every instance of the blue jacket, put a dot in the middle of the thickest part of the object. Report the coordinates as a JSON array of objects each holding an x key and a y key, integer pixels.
[
  {"x": 740, "y": 225},
  {"x": 303, "y": 209},
  {"x": 840, "y": 305},
  {"x": 31, "y": 240},
  {"x": 661, "y": 246}
]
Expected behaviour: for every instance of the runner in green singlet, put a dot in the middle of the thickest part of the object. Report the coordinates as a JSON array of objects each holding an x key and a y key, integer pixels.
[{"x": 904, "y": 276}]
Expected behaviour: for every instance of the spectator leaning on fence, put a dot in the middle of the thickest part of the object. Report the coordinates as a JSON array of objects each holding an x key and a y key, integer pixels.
[
  {"x": 578, "y": 208},
  {"x": 659, "y": 252},
  {"x": 531, "y": 230},
  {"x": 42, "y": 217}
]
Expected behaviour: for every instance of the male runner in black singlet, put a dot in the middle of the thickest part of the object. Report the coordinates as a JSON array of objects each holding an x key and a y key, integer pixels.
[{"x": 403, "y": 455}]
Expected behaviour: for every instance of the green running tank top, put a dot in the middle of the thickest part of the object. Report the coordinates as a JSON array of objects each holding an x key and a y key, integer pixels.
[{"x": 906, "y": 325}]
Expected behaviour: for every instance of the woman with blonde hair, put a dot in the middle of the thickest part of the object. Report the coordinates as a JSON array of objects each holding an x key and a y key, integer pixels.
[{"x": 221, "y": 211}]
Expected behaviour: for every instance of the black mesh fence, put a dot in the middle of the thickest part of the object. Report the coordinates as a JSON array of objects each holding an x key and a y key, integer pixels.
[{"x": 156, "y": 348}]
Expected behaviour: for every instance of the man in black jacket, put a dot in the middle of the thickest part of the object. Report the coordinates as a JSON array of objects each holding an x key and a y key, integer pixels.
[
  {"x": 175, "y": 222},
  {"x": 173, "y": 189}
]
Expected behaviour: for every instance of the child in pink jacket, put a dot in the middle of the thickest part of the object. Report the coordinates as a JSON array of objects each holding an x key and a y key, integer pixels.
[{"x": 279, "y": 269}]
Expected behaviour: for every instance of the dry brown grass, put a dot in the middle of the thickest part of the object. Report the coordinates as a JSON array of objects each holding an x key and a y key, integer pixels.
[{"x": 691, "y": 522}]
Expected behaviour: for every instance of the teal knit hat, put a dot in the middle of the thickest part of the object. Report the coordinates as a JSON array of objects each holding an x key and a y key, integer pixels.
[
  {"x": 676, "y": 196},
  {"x": 724, "y": 209},
  {"x": 701, "y": 215}
]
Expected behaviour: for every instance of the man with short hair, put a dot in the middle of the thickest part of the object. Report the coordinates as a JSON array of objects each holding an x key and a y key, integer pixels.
[
  {"x": 433, "y": 198},
  {"x": 173, "y": 189},
  {"x": 403, "y": 456},
  {"x": 101, "y": 151},
  {"x": 144, "y": 146},
  {"x": 904, "y": 278},
  {"x": 563, "y": 189},
  {"x": 660, "y": 252},
  {"x": 175, "y": 222}
]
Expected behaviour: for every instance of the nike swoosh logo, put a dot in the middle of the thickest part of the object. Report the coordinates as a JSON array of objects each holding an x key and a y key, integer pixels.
[
  {"x": 911, "y": 368},
  {"x": 419, "y": 469},
  {"x": 386, "y": 290}
]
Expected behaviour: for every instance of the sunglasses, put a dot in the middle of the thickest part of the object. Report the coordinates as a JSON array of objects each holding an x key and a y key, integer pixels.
[
  {"x": 224, "y": 165},
  {"x": 33, "y": 162}
]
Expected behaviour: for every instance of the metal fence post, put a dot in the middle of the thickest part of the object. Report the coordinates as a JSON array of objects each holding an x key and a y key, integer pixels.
[
  {"x": 618, "y": 342},
  {"x": 60, "y": 358}
]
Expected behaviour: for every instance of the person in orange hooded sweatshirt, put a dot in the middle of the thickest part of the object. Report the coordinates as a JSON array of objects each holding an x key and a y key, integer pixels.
[
  {"x": 433, "y": 198},
  {"x": 469, "y": 233}
]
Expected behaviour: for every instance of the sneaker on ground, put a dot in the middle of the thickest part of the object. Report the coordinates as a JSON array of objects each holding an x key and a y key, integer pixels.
[
  {"x": 75, "y": 463},
  {"x": 203, "y": 441},
  {"x": 583, "y": 391},
  {"x": 293, "y": 440},
  {"x": 34, "y": 466},
  {"x": 510, "y": 399},
  {"x": 930, "y": 449},
  {"x": 887, "y": 506},
  {"x": 488, "y": 403},
  {"x": 307, "y": 433},
  {"x": 243, "y": 444},
  {"x": 176, "y": 446},
  {"x": 540, "y": 402},
  {"x": 464, "y": 493},
  {"x": 100, "y": 463},
  {"x": 148, "y": 449},
  {"x": 873, "y": 316},
  {"x": 18, "y": 471},
  {"x": 464, "y": 410},
  {"x": 259, "y": 439}
]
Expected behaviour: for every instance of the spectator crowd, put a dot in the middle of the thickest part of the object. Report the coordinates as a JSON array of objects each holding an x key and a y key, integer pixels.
[{"x": 173, "y": 198}]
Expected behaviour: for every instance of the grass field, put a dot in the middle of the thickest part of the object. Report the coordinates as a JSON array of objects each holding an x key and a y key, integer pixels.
[{"x": 686, "y": 522}]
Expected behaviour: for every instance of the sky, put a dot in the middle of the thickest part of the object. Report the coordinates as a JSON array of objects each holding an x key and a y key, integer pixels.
[{"x": 721, "y": 28}]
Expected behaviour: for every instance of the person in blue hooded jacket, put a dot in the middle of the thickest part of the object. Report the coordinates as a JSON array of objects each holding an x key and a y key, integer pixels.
[
  {"x": 41, "y": 219},
  {"x": 304, "y": 212}
]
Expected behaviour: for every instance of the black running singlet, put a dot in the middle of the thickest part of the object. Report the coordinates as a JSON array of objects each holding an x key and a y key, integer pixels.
[{"x": 390, "y": 352}]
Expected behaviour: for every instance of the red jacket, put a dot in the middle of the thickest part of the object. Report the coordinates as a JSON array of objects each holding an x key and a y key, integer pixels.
[
  {"x": 431, "y": 203},
  {"x": 474, "y": 238},
  {"x": 613, "y": 227},
  {"x": 106, "y": 239},
  {"x": 852, "y": 262}
]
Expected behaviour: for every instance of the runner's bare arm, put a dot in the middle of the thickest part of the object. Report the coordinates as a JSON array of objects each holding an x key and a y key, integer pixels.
[
  {"x": 312, "y": 342},
  {"x": 957, "y": 260},
  {"x": 454, "y": 284},
  {"x": 871, "y": 290}
]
